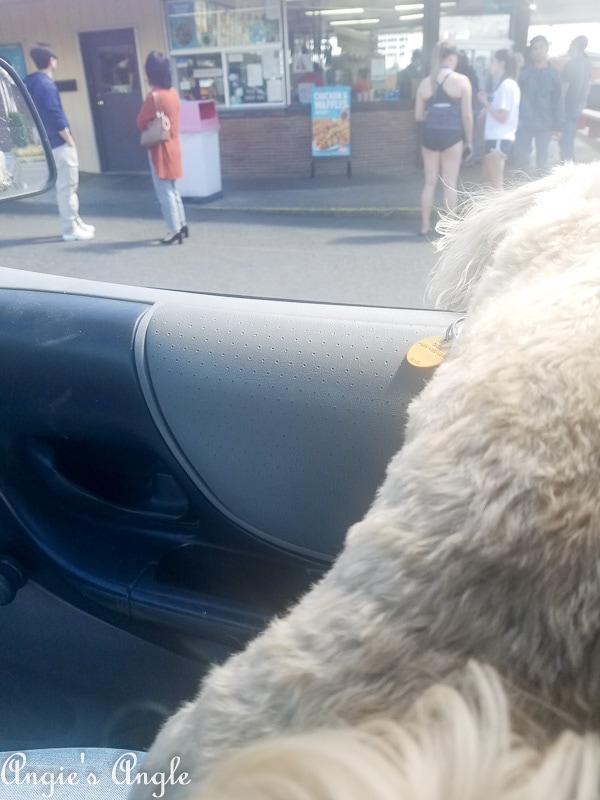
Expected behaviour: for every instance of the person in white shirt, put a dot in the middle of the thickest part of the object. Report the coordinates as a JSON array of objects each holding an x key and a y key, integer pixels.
[{"x": 501, "y": 111}]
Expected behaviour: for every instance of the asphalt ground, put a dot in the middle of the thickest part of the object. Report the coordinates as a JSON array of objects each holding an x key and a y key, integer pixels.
[
  {"x": 324, "y": 239},
  {"x": 373, "y": 259},
  {"x": 327, "y": 238}
]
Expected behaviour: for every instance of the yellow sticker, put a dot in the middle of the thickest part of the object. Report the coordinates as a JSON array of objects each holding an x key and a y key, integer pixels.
[{"x": 429, "y": 352}]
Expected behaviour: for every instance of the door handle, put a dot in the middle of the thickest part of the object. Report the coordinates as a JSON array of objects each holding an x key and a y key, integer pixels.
[{"x": 144, "y": 489}]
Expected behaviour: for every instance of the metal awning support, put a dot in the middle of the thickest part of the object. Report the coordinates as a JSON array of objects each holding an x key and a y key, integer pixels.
[
  {"x": 519, "y": 24},
  {"x": 431, "y": 29}
]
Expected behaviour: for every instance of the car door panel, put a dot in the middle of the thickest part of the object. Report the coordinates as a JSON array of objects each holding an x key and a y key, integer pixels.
[
  {"x": 190, "y": 463},
  {"x": 285, "y": 414}
]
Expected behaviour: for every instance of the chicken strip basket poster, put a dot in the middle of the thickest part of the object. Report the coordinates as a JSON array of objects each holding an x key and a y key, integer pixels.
[{"x": 330, "y": 114}]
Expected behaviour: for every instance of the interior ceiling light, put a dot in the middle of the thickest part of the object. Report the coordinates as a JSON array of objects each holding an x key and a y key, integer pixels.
[
  {"x": 354, "y": 21},
  {"x": 447, "y": 5},
  {"x": 410, "y": 7},
  {"x": 406, "y": 17},
  {"x": 334, "y": 11}
]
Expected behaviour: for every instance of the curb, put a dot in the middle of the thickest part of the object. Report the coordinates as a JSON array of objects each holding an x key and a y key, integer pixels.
[{"x": 317, "y": 211}]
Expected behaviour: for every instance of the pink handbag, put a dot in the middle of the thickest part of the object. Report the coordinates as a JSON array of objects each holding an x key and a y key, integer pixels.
[{"x": 159, "y": 128}]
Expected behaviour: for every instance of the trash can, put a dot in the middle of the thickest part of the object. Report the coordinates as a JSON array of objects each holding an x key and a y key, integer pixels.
[{"x": 199, "y": 130}]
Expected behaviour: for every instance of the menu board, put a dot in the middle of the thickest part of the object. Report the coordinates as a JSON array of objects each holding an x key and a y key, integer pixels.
[{"x": 330, "y": 118}]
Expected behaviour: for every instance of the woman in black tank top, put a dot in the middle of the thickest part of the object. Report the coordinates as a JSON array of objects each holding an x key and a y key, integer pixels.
[
  {"x": 443, "y": 106},
  {"x": 443, "y": 124}
]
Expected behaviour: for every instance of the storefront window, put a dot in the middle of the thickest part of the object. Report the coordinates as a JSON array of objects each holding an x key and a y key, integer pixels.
[
  {"x": 201, "y": 77},
  {"x": 235, "y": 51},
  {"x": 345, "y": 47},
  {"x": 231, "y": 53},
  {"x": 371, "y": 46},
  {"x": 255, "y": 77}
]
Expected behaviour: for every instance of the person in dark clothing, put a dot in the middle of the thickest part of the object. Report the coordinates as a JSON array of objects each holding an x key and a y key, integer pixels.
[
  {"x": 541, "y": 111},
  {"x": 464, "y": 67},
  {"x": 409, "y": 78},
  {"x": 576, "y": 79},
  {"x": 47, "y": 101}
]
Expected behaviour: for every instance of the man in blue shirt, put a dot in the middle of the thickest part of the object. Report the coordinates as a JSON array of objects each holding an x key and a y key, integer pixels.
[{"x": 47, "y": 101}]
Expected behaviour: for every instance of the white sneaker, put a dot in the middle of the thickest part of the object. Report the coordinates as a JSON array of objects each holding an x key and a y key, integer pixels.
[
  {"x": 78, "y": 235},
  {"x": 85, "y": 226}
]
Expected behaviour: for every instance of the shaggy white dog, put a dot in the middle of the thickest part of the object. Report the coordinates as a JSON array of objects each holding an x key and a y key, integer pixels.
[
  {"x": 484, "y": 539},
  {"x": 451, "y": 745}
]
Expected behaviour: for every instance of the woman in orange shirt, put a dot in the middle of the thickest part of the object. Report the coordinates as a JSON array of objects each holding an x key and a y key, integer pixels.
[{"x": 165, "y": 158}]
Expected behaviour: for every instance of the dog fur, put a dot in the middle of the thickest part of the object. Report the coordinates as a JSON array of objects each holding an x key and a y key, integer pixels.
[
  {"x": 484, "y": 539},
  {"x": 451, "y": 745}
]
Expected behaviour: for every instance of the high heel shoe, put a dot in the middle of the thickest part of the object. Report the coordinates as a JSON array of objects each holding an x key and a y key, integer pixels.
[
  {"x": 185, "y": 231},
  {"x": 174, "y": 237}
]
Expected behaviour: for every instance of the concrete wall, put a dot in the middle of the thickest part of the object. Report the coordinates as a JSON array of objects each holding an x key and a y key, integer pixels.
[{"x": 59, "y": 22}]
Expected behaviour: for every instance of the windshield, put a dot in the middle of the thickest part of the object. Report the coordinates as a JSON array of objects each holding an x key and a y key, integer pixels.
[{"x": 307, "y": 152}]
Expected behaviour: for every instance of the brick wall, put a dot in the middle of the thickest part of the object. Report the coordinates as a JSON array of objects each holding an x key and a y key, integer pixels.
[{"x": 277, "y": 144}]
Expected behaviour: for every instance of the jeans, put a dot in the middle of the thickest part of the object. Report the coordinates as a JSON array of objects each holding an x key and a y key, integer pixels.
[
  {"x": 68, "y": 774},
  {"x": 67, "y": 183},
  {"x": 567, "y": 138},
  {"x": 169, "y": 200},
  {"x": 522, "y": 147}
]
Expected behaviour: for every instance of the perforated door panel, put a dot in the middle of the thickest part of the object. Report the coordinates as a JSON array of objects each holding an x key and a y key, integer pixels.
[
  {"x": 284, "y": 414},
  {"x": 186, "y": 466}
]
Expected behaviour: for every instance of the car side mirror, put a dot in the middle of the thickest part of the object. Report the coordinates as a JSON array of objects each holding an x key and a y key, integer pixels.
[{"x": 26, "y": 162}]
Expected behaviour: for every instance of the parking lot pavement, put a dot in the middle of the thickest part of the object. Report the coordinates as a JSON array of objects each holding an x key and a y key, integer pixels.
[{"x": 327, "y": 238}]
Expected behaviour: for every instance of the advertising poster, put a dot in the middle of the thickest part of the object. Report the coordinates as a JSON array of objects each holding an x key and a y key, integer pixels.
[
  {"x": 330, "y": 116},
  {"x": 190, "y": 24},
  {"x": 182, "y": 25}
]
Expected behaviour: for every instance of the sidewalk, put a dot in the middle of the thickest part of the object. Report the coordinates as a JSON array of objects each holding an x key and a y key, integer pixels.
[
  {"x": 375, "y": 193},
  {"x": 389, "y": 193}
]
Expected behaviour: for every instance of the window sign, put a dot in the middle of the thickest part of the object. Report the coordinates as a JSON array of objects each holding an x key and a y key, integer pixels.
[
  {"x": 271, "y": 64},
  {"x": 330, "y": 115},
  {"x": 302, "y": 62},
  {"x": 255, "y": 74},
  {"x": 275, "y": 90},
  {"x": 305, "y": 92},
  {"x": 182, "y": 25},
  {"x": 378, "y": 71}
]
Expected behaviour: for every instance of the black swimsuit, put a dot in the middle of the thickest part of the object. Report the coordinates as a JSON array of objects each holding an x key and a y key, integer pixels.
[{"x": 443, "y": 126}]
